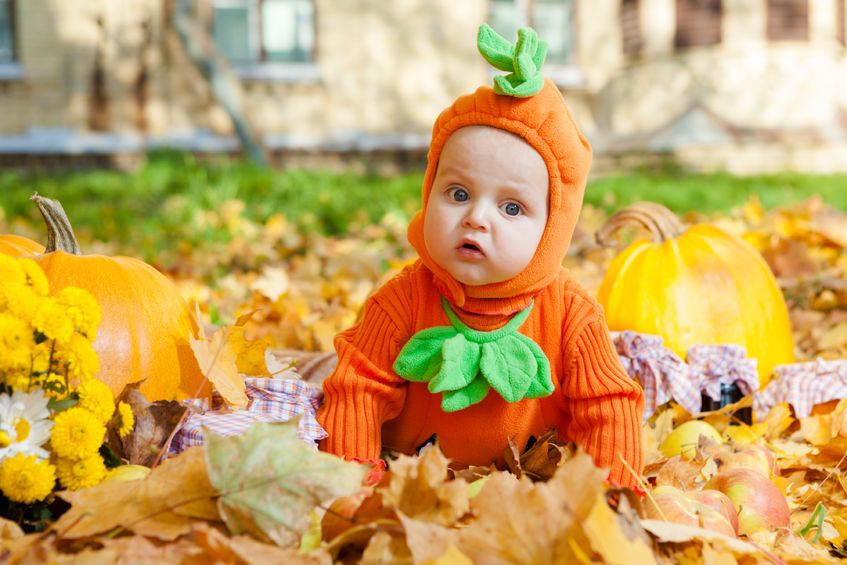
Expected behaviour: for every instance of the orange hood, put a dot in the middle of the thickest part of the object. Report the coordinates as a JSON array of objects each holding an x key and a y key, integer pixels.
[{"x": 543, "y": 121}]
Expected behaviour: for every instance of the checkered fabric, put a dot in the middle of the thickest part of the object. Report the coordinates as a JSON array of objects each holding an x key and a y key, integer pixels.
[
  {"x": 714, "y": 365},
  {"x": 269, "y": 400},
  {"x": 803, "y": 385},
  {"x": 661, "y": 372}
]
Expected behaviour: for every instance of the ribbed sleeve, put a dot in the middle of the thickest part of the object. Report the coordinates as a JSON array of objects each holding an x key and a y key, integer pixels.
[
  {"x": 605, "y": 404},
  {"x": 362, "y": 392}
]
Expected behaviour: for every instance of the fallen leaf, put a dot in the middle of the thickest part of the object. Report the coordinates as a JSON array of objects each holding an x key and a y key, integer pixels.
[
  {"x": 237, "y": 549},
  {"x": 162, "y": 505},
  {"x": 427, "y": 542},
  {"x": 670, "y": 532},
  {"x": 270, "y": 480},
  {"x": 683, "y": 474},
  {"x": 420, "y": 489},
  {"x": 533, "y": 523},
  {"x": 272, "y": 283},
  {"x": 154, "y": 424},
  {"x": 386, "y": 548},
  {"x": 614, "y": 538},
  {"x": 9, "y": 530},
  {"x": 217, "y": 360}
]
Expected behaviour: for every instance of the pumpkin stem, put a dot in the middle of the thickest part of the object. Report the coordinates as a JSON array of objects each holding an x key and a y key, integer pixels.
[
  {"x": 60, "y": 234},
  {"x": 655, "y": 218}
]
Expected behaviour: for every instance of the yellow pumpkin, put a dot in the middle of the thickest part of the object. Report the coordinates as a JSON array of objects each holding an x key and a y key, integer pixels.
[
  {"x": 18, "y": 246},
  {"x": 146, "y": 325},
  {"x": 692, "y": 286}
]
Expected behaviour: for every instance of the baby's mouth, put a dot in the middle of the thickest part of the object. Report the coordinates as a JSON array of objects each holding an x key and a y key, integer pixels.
[{"x": 469, "y": 249}]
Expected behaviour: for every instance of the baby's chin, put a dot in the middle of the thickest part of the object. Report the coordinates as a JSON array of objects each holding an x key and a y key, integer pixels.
[{"x": 476, "y": 279}]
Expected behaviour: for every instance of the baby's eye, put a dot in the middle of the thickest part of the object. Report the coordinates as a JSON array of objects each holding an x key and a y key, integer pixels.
[
  {"x": 512, "y": 208},
  {"x": 459, "y": 194}
]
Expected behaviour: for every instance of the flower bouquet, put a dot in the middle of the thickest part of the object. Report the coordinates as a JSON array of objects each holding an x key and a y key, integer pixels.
[{"x": 53, "y": 411}]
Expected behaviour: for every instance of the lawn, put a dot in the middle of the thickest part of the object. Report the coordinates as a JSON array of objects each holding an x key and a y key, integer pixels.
[{"x": 176, "y": 198}]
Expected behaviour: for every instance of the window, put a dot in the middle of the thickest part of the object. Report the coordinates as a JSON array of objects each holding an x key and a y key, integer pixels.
[
  {"x": 552, "y": 19},
  {"x": 788, "y": 20},
  {"x": 631, "y": 27},
  {"x": 698, "y": 22},
  {"x": 7, "y": 29},
  {"x": 258, "y": 31}
]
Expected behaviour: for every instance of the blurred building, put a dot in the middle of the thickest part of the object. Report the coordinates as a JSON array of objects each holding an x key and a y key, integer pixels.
[{"x": 742, "y": 85}]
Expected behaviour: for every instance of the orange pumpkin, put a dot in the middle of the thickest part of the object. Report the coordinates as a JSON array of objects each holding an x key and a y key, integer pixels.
[
  {"x": 146, "y": 325},
  {"x": 18, "y": 246},
  {"x": 695, "y": 285}
]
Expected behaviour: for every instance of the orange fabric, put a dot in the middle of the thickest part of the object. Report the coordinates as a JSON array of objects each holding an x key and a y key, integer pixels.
[{"x": 595, "y": 403}]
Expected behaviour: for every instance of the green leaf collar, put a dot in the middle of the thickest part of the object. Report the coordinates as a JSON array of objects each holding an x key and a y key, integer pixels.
[
  {"x": 463, "y": 363},
  {"x": 523, "y": 61}
]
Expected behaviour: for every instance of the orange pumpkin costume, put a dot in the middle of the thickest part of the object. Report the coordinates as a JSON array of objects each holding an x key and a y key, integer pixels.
[{"x": 594, "y": 402}]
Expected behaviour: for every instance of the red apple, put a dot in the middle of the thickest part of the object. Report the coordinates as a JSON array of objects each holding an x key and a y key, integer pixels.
[
  {"x": 720, "y": 502},
  {"x": 759, "y": 502},
  {"x": 674, "y": 505},
  {"x": 745, "y": 456}
]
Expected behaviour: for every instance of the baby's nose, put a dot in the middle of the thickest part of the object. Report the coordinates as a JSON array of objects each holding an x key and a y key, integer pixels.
[{"x": 477, "y": 217}]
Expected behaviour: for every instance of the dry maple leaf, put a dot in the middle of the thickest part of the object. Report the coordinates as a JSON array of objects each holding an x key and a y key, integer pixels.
[
  {"x": 534, "y": 523},
  {"x": 270, "y": 480},
  {"x": 617, "y": 538},
  {"x": 217, "y": 359},
  {"x": 419, "y": 488},
  {"x": 163, "y": 505},
  {"x": 154, "y": 424}
]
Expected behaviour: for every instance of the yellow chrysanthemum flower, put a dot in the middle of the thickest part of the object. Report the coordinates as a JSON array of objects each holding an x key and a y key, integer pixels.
[
  {"x": 23, "y": 478},
  {"x": 13, "y": 278},
  {"x": 82, "y": 309},
  {"x": 24, "y": 303},
  {"x": 126, "y": 419},
  {"x": 81, "y": 473},
  {"x": 77, "y": 434},
  {"x": 52, "y": 320},
  {"x": 35, "y": 277},
  {"x": 19, "y": 379},
  {"x": 96, "y": 396},
  {"x": 53, "y": 385},
  {"x": 15, "y": 343},
  {"x": 78, "y": 359}
]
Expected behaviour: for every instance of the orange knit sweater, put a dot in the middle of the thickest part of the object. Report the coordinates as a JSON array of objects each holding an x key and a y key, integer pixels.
[{"x": 594, "y": 403}]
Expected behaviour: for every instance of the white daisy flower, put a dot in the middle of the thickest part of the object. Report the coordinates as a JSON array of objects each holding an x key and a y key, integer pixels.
[{"x": 24, "y": 424}]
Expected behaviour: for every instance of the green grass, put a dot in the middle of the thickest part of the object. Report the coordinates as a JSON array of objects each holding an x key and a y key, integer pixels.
[
  {"x": 174, "y": 198},
  {"x": 715, "y": 192}
]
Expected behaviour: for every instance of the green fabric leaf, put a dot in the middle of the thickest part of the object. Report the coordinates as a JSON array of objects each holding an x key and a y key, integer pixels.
[
  {"x": 455, "y": 400},
  {"x": 463, "y": 363},
  {"x": 420, "y": 358},
  {"x": 542, "y": 383},
  {"x": 459, "y": 365},
  {"x": 510, "y": 85},
  {"x": 524, "y": 50},
  {"x": 509, "y": 367},
  {"x": 270, "y": 480},
  {"x": 495, "y": 49},
  {"x": 523, "y": 61}
]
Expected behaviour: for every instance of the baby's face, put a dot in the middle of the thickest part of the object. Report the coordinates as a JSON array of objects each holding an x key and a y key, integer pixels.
[{"x": 488, "y": 206}]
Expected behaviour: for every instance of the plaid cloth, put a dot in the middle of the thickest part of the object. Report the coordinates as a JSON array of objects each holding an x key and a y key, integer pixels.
[
  {"x": 661, "y": 372},
  {"x": 714, "y": 365},
  {"x": 269, "y": 400},
  {"x": 665, "y": 376},
  {"x": 803, "y": 385}
]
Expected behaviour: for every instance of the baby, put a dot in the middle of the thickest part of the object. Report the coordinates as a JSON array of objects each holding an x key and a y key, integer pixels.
[{"x": 486, "y": 337}]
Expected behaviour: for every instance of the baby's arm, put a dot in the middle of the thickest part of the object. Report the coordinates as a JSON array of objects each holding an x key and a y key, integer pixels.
[
  {"x": 605, "y": 404},
  {"x": 362, "y": 392}
]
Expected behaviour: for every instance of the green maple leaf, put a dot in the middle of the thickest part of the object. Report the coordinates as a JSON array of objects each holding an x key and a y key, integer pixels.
[{"x": 270, "y": 480}]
